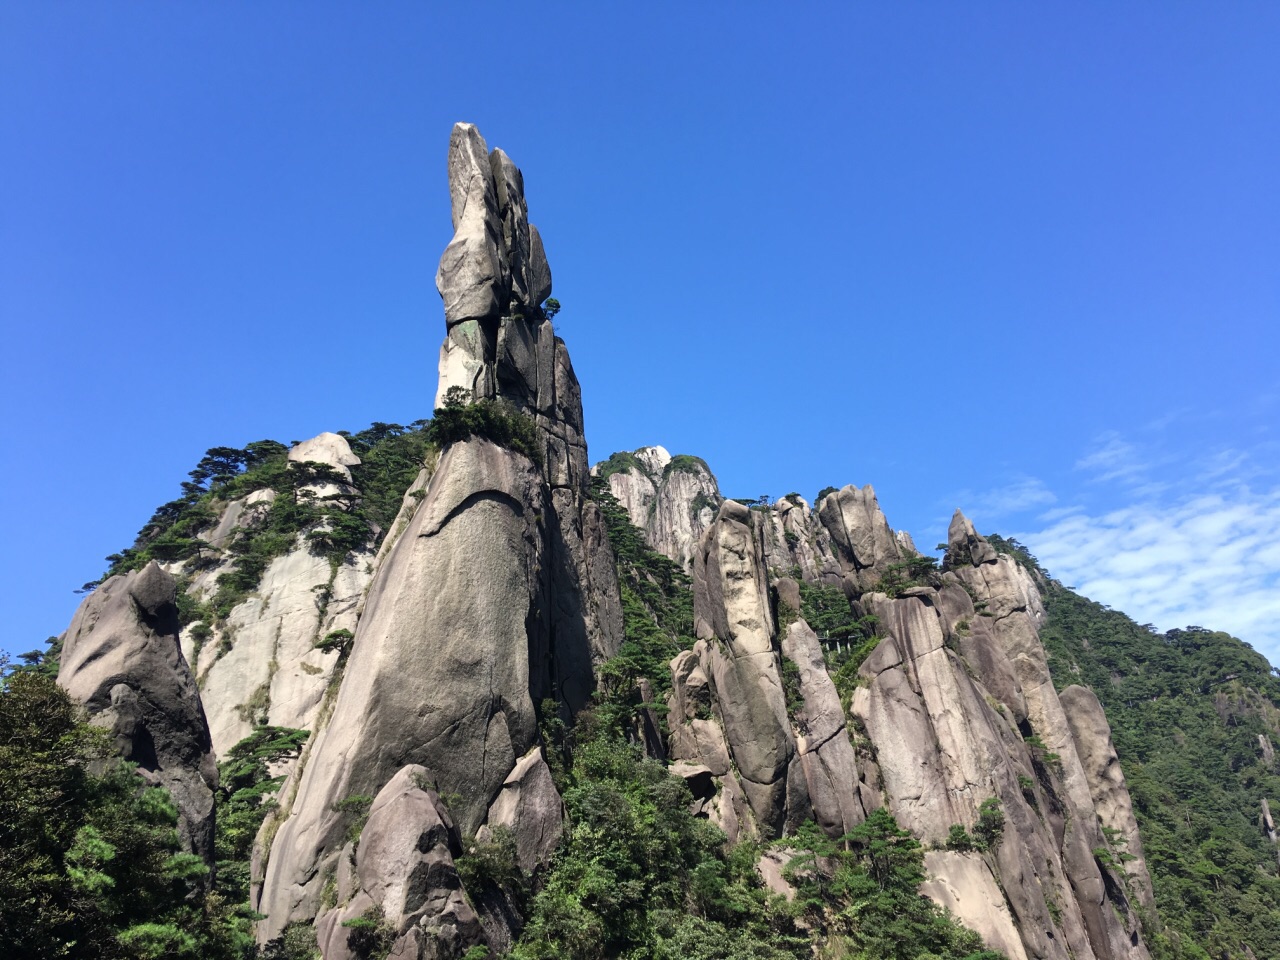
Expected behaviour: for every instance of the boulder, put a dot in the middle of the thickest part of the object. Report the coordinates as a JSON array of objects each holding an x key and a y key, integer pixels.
[
  {"x": 122, "y": 660},
  {"x": 530, "y": 807},
  {"x": 328, "y": 448},
  {"x": 405, "y": 876}
]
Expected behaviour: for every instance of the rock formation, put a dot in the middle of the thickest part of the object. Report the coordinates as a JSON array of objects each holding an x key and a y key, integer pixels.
[
  {"x": 260, "y": 664},
  {"x": 491, "y": 604},
  {"x": 121, "y": 659},
  {"x": 865, "y": 545},
  {"x": 732, "y": 612},
  {"x": 1092, "y": 736},
  {"x": 499, "y": 592},
  {"x": 404, "y": 877},
  {"x": 957, "y": 706},
  {"x": 672, "y": 499}
]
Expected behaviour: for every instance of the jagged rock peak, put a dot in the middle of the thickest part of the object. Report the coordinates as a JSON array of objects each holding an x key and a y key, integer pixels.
[
  {"x": 122, "y": 660},
  {"x": 494, "y": 279},
  {"x": 965, "y": 545},
  {"x": 495, "y": 260},
  {"x": 865, "y": 543}
]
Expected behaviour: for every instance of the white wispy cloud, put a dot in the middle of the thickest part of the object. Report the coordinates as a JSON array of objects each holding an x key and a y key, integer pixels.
[
  {"x": 1211, "y": 559},
  {"x": 1019, "y": 495},
  {"x": 1113, "y": 458}
]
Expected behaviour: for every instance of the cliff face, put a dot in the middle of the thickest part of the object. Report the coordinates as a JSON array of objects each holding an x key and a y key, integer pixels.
[
  {"x": 426, "y": 670},
  {"x": 672, "y": 499},
  {"x": 957, "y": 713}
]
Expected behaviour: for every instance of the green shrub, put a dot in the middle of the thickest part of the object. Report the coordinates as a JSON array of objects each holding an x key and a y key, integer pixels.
[
  {"x": 990, "y": 827},
  {"x": 494, "y": 420},
  {"x": 958, "y": 839}
]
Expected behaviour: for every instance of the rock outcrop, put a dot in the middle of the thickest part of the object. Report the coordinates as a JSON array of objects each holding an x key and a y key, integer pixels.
[
  {"x": 959, "y": 717},
  {"x": 260, "y": 663},
  {"x": 1092, "y": 736},
  {"x": 122, "y": 660},
  {"x": 827, "y": 757},
  {"x": 864, "y": 542},
  {"x": 439, "y": 675},
  {"x": 403, "y": 878},
  {"x": 672, "y": 499},
  {"x": 732, "y": 613}
]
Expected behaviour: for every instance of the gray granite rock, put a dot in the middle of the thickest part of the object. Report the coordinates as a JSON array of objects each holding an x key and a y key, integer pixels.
[{"x": 121, "y": 659}]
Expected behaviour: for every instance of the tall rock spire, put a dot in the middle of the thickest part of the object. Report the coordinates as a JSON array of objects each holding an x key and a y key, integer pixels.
[
  {"x": 499, "y": 594},
  {"x": 494, "y": 279}
]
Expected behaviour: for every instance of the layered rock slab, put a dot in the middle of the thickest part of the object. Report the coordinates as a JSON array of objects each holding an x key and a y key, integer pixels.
[{"x": 733, "y": 614}]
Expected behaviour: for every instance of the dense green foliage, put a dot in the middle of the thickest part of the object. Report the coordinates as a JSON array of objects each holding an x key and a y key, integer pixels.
[
  {"x": 686, "y": 463},
  {"x": 90, "y": 864},
  {"x": 495, "y": 420},
  {"x": 859, "y": 893},
  {"x": 638, "y": 876},
  {"x": 1186, "y": 709},
  {"x": 657, "y": 600},
  {"x": 620, "y": 462},
  {"x": 246, "y": 794}
]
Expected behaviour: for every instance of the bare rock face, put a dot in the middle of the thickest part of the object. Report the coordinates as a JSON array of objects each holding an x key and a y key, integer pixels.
[
  {"x": 672, "y": 499},
  {"x": 1012, "y": 610},
  {"x": 122, "y": 660},
  {"x": 329, "y": 449},
  {"x": 794, "y": 540},
  {"x": 261, "y": 665},
  {"x": 964, "y": 546},
  {"x": 963, "y": 884},
  {"x": 942, "y": 750},
  {"x": 405, "y": 876},
  {"x": 732, "y": 612},
  {"x": 1092, "y": 736},
  {"x": 439, "y": 673},
  {"x": 864, "y": 542},
  {"x": 826, "y": 755},
  {"x": 493, "y": 278}
]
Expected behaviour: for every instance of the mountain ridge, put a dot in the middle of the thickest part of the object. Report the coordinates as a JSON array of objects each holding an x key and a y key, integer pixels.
[{"x": 480, "y": 654}]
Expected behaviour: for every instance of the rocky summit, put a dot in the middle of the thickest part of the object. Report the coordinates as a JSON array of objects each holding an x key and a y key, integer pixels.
[{"x": 451, "y": 691}]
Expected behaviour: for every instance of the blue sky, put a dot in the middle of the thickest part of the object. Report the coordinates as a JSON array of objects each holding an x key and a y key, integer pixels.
[{"x": 1022, "y": 259}]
